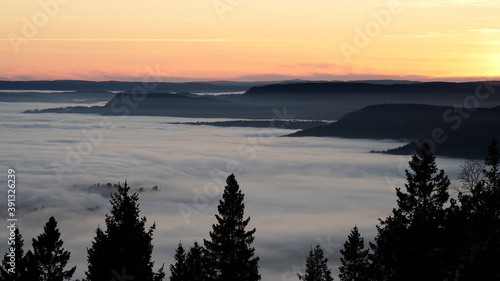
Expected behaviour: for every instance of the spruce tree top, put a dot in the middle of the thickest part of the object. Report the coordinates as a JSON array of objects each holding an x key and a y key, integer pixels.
[
  {"x": 230, "y": 218},
  {"x": 125, "y": 247},
  {"x": 124, "y": 211},
  {"x": 355, "y": 264},
  {"x": 178, "y": 271},
  {"x": 231, "y": 206},
  {"x": 50, "y": 255},
  {"x": 426, "y": 187},
  {"x": 229, "y": 249},
  {"x": 316, "y": 266}
]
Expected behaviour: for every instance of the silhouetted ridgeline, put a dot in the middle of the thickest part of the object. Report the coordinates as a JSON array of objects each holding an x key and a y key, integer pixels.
[
  {"x": 387, "y": 121},
  {"x": 353, "y": 87},
  {"x": 465, "y": 142},
  {"x": 65, "y": 97},
  {"x": 340, "y": 98},
  {"x": 179, "y": 105},
  {"x": 201, "y": 87},
  {"x": 449, "y": 131},
  {"x": 312, "y": 101},
  {"x": 424, "y": 90}
]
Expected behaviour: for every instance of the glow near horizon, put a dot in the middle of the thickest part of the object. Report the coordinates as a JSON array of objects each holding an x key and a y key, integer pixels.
[{"x": 91, "y": 40}]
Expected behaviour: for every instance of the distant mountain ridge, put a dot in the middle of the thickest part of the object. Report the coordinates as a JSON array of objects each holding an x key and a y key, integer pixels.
[
  {"x": 449, "y": 132},
  {"x": 202, "y": 87},
  {"x": 308, "y": 101},
  {"x": 386, "y": 121},
  {"x": 168, "y": 104},
  {"x": 363, "y": 87},
  {"x": 335, "y": 99},
  {"x": 406, "y": 111}
]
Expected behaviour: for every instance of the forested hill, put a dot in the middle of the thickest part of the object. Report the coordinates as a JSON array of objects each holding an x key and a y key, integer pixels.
[
  {"x": 423, "y": 89},
  {"x": 386, "y": 121},
  {"x": 453, "y": 132},
  {"x": 169, "y": 104},
  {"x": 311, "y": 101}
]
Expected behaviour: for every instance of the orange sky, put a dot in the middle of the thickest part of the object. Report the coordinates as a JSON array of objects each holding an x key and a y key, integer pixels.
[{"x": 250, "y": 40}]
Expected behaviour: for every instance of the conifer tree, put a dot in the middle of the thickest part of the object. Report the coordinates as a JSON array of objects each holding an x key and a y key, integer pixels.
[
  {"x": 410, "y": 242},
  {"x": 32, "y": 271},
  {"x": 195, "y": 263},
  {"x": 229, "y": 250},
  {"x": 316, "y": 266},
  {"x": 355, "y": 264},
  {"x": 124, "y": 249},
  {"x": 49, "y": 254},
  {"x": 178, "y": 271}
]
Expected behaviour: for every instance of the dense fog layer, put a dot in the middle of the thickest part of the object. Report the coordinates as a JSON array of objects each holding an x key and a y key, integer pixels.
[{"x": 298, "y": 191}]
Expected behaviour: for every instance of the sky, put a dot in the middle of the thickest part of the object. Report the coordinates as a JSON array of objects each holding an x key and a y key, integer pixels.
[{"x": 452, "y": 40}]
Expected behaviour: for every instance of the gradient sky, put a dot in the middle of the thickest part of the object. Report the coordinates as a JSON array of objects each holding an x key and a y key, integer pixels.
[{"x": 249, "y": 40}]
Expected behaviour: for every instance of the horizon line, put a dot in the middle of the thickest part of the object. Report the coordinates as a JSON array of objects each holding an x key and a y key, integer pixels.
[{"x": 496, "y": 79}]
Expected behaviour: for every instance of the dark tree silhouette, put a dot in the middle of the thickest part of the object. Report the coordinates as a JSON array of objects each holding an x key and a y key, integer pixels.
[
  {"x": 195, "y": 263},
  {"x": 410, "y": 242},
  {"x": 33, "y": 271},
  {"x": 229, "y": 250},
  {"x": 124, "y": 249},
  {"x": 316, "y": 266},
  {"x": 189, "y": 266},
  {"x": 14, "y": 271},
  {"x": 471, "y": 175},
  {"x": 355, "y": 264},
  {"x": 178, "y": 271},
  {"x": 493, "y": 164},
  {"x": 478, "y": 223},
  {"x": 49, "y": 254}
]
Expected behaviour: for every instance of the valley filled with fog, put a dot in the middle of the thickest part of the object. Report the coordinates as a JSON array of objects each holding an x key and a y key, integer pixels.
[{"x": 298, "y": 191}]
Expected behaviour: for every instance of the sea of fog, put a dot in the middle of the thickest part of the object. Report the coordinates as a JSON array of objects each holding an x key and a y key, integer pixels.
[{"x": 298, "y": 191}]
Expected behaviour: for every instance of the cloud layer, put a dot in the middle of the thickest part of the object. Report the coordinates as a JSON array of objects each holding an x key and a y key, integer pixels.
[{"x": 299, "y": 191}]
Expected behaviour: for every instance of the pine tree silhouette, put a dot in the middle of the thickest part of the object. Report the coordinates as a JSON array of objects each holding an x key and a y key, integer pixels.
[
  {"x": 229, "y": 250},
  {"x": 33, "y": 271},
  {"x": 410, "y": 243},
  {"x": 49, "y": 254},
  {"x": 124, "y": 249},
  {"x": 355, "y": 264},
  {"x": 195, "y": 263},
  {"x": 316, "y": 266},
  {"x": 178, "y": 271}
]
